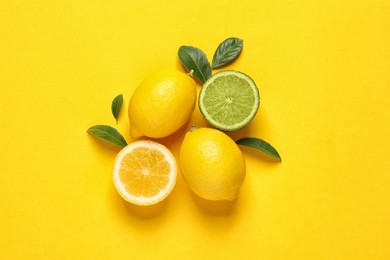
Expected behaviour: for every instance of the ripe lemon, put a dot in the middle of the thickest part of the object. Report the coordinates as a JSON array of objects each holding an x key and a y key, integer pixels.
[
  {"x": 144, "y": 172},
  {"x": 229, "y": 100},
  {"x": 212, "y": 164},
  {"x": 161, "y": 104}
]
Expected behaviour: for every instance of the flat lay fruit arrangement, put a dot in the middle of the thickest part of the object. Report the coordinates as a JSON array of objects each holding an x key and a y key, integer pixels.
[{"x": 210, "y": 161}]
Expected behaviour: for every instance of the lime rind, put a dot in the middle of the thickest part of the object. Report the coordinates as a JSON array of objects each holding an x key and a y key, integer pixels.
[{"x": 229, "y": 100}]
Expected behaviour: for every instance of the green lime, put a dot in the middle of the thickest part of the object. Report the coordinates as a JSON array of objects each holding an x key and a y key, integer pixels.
[{"x": 229, "y": 100}]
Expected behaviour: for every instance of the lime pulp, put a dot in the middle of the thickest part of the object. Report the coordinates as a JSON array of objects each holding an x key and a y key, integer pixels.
[{"x": 229, "y": 100}]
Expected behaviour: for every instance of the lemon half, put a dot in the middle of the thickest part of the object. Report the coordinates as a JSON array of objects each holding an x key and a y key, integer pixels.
[{"x": 144, "y": 172}]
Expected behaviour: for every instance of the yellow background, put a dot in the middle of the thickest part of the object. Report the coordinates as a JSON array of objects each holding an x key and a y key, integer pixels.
[{"x": 323, "y": 70}]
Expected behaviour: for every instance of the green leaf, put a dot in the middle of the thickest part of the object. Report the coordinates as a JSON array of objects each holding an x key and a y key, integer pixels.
[
  {"x": 227, "y": 51},
  {"x": 116, "y": 106},
  {"x": 109, "y": 134},
  {"x": 260, "y": 145},
  {"x": 194, "y": 59}
]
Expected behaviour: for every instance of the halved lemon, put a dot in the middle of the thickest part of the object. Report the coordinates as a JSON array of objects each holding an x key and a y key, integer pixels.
[{"x": 144, "y": 172}]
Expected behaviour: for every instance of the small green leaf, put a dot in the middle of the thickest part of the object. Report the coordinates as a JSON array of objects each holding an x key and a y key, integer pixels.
[
  {"x": 109, "y": 134},
  {"x": 194, "y": 59},
  {"x": 227, "y": 51},
  {"x": 260, "y": 145},
  {"x": 116, "y": 106}
]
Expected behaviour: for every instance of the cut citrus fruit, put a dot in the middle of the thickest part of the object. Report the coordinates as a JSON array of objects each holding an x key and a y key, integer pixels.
[
  {"x": 144, "y": 172},
  {"x": 229, "y": 100}
]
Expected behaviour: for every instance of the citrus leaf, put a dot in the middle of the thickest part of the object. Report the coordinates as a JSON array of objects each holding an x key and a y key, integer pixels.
[
  {"x": 108, "y": 134},
  {"x": 260, "y": 145},
  {"x": 116, "y": 106},
  {"x": 194, "y": 59},
  {"x": 227, "y": 51}
]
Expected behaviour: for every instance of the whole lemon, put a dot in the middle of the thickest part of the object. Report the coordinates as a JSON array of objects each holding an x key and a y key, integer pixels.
[
  {"x": 212, "y": 164},
  {"x": 161, "y": 104}
]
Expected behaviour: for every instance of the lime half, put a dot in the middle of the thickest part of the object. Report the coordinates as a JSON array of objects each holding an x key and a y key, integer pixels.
[{"x": 229, "y": 100}]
